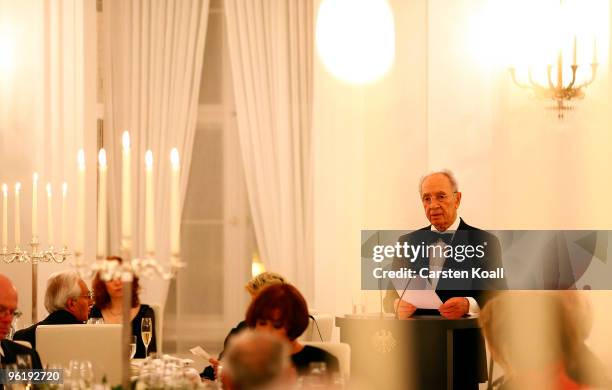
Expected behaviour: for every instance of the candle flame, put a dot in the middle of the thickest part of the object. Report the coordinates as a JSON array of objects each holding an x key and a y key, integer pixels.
[
  {"x": 35, "y": 177},
  {"x": 4, "y": 188},
  {"x": 102, "y": 158},
  {"x": 17, "y": 187},
  {"x": 125, "y": 140},
  {"x": 149, "y": 159},
  {"x": 81, "y": 159},
  {"x": 64, "y": 188},
  {"x": 49, "y": 192},
  {"x": 174, "y": 158}
]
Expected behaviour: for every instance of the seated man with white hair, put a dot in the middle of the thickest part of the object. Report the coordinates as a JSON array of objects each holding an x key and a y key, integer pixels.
[
  {"x": 68, "y": 301},
  {"x": 256, "y": 360}
]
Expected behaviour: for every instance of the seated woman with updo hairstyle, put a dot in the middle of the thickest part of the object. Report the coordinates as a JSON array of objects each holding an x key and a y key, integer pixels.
[
  {"x": 108, "y": 299},
  {"x": 253, "y": 287},
  {"x": 281, "y": 309}
]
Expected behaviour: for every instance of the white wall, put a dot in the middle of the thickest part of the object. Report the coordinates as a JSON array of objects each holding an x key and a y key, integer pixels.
[{"x": 444, "y": 105}]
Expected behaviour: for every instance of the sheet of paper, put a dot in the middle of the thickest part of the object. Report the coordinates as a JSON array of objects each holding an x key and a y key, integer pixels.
[
  {"x": 421, "y": 294},
  {"x": 199, "y": 351}
]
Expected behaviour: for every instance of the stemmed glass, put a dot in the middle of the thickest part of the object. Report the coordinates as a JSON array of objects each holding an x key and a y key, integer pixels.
[
  {"x": 133, "y": 347},
  {"x": 146, "y": 331}
]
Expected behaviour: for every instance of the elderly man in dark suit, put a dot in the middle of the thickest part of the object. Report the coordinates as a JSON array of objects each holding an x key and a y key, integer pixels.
[
  {"x": 8, "y": 310},
  {"x": 68, "y": 301},
  {"x": 459, "y": 296}
]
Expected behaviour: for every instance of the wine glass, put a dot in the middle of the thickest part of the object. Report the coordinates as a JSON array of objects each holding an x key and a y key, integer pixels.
[
  {"x": 133, "y": 347},
  {"x": 146, "y": 331},
  {"x": 87, "y": 374},
  {"x": 24, "y": 362}
]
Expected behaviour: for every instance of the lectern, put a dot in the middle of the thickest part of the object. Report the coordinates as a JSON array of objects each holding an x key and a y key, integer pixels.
[{"x": 423, "y": 352}]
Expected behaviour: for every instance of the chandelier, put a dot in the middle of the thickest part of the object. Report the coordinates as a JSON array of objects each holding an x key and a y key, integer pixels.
[{"x": 559, "y": 92}]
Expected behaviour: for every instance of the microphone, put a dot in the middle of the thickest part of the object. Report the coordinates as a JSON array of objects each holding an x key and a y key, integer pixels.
[{"x": 316, "y": 325}]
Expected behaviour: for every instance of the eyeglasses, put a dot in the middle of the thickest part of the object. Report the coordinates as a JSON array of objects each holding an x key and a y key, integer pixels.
[
  {"x": 89, "y": 295},
  {"x": 4, "y": 312},
  {"x": 440, "y": 197}
]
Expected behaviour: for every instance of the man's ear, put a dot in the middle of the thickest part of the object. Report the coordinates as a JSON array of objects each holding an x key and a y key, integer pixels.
[
  {"x": 458, "y": 198},
  {"x": 70, "y": 304}
]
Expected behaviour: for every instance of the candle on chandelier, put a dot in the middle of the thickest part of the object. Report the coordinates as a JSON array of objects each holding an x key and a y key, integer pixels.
[
  {"x": 594, "y": 50},
  {"x": 149, "y": 217},
  {"x": 575, "y": 51},
  {"x": 50, "y": 213},
  {"x": 80, "y": 231},
  {"x": 4, "y": 216},
  {"x": 175, "y": 213},
  {"x": 126, "y": 192},
  {"x": 17, "y": 215},
  {"x": 64, "y": 197},
  {"x": 34, "y": 205},
  {"x": 102, "y": 171}
]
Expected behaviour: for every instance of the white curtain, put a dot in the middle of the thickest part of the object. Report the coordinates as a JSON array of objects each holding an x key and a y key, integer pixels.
[
  {"x": 47, "y": 112},
  {"x": 152, "y": 61},
  {"x": 270, "y": 45}
]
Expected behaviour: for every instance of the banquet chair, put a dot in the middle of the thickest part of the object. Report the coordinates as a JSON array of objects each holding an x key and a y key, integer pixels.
[
  {"x": 100, "y": 344},
  {"x": 342, "y": 352},
  {"x": 320, "y": 327}
]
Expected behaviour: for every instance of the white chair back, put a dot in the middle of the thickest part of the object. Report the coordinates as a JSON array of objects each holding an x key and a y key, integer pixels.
[
  {"x": 100, "y": 344},
  {"x": 342, "y": 352},
  {"x": 159, "y": 325},
  {"x": 325, "y": 324}
]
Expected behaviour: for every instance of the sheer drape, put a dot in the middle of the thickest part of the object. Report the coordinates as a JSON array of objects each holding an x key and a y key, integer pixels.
[
  {"x": 47, "y": 112},
  {"x": 270, "y": 45},
  {"x": 152, "y": 52}
]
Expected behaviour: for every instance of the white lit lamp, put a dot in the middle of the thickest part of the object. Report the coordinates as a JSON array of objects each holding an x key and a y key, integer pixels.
[
  {"x": 257, "y": 267},
  {"x": 356, "y": 39}
]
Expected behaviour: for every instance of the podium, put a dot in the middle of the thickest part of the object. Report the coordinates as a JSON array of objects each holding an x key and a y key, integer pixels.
[{"x": 423, "y": 352}]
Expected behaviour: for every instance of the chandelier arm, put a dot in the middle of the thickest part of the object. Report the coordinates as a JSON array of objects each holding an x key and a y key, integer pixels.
[
  {"x": 514, "y": 79},
  {"x": 534, "y": 84},
  {"x": 549, "y": 75},
  {"x": 571, "y": 84},
  {"x": 593, "y": 75}
]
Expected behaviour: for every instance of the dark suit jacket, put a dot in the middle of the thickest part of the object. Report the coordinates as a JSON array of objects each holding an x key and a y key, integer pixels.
[
  {"x": 59, "y": 317},
  {"x": 11, "y": 349},
  {"x": 468, "y": 343}
]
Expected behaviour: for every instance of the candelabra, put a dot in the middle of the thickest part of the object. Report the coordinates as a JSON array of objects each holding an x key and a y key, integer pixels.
[
  {"x": 36, "y": 256},
  {"x": 558, "y": 92}
]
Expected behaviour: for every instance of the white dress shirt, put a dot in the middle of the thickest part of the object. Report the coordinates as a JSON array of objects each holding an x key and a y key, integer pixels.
[{"x": 436, "y": 264}]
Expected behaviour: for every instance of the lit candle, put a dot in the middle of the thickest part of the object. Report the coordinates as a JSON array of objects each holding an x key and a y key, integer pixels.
[
  {"x": 80, "y": 233},
  {"x": 64, "y": 197},
  {"x": 126, "y": 193},
  {"x": 50, "y": 213},
  {"x": 594, "y": 50},
  {"x": 17, "y": 215},
  {"x": 149, "y": 236},
  {"x": 4, "y": 216},
  {"x": 175, "y": 213},
  {"x": 575, "y": 50},
  {"x": 102, "y": 170},
  {"x": 34, "y": 205}
]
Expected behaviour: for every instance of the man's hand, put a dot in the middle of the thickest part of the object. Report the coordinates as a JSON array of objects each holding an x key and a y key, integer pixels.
[
  {"x": 454, "y": 308},
  {"x": 215, "y": 365},
  {"x": 403, "y": 309}
]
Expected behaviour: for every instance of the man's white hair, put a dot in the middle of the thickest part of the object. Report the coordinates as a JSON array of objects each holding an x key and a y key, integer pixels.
[
  {"x": 449, "y": 175},
  {"x": 61, "y": 286},
  {"x": 256, "y": 360}
]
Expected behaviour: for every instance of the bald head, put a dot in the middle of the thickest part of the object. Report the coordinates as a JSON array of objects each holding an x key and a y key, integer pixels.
[{"x": 8, "y": 304}]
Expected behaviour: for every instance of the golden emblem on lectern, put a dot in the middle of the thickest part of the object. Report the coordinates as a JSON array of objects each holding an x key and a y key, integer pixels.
[{"x": 383, "y": 341}]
